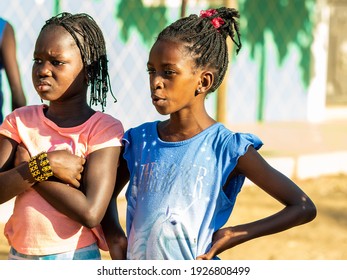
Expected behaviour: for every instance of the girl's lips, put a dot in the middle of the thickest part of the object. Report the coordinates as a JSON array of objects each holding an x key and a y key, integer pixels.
[
  {"x": 157, "y": 100},
  {"x": 43, "y": 86}
]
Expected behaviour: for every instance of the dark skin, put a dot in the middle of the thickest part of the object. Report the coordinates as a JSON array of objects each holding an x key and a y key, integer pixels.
[
  {"x": 179, "y": 89},
  {"x": 8, "y": 57},
  {"x": 59, "y": 77}
]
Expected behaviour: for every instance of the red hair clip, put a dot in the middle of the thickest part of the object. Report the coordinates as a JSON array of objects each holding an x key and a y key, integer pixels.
[
  {"x": 208, "y": 13},
  {"x": 216, "y": 22}
]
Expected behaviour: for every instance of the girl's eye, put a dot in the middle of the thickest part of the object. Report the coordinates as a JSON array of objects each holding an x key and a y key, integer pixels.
[
  {"x": 56, "y": 63},
  {"x": 150, "y": 71},
  {"x": 169, "y": 72},
  {"x": 37, "y": 61}
]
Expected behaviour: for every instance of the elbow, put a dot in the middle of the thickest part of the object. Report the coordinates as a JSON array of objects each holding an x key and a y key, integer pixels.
[
  {"x": 313, "y": 212},
  {"x": 309, "y": 212},
  {"x": 91, "y": 219}
]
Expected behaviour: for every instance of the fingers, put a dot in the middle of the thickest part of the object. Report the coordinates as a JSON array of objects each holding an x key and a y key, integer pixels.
[
  {"x": 210, "y": 254},
  {"x": 74, "y": 183},
  {"x": 204, "y": 257},
  {"x": 78, "y": 177},
  {"x": 83, "y": 160}
]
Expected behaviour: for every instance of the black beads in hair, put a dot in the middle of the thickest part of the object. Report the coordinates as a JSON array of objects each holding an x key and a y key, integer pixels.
[
  {"x": 205, "y": 40},
  {"x": 90, "y": 40}
]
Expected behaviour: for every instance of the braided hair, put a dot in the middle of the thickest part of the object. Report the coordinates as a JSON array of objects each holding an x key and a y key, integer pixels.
[
  {"x": 205, "y": 38},
  {"x": 90, "y": 40}
]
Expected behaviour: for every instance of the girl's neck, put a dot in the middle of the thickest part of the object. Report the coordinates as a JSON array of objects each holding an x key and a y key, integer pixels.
[
  {"x": 65, "y": 116},
  {"x": 174, "y": 130}
]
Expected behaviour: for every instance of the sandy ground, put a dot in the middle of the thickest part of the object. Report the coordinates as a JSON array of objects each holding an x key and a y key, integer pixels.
[{"x": 323, "y": 239}]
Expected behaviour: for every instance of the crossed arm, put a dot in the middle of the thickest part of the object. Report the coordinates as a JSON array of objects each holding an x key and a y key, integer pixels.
[{"x": 97, "y": 181}]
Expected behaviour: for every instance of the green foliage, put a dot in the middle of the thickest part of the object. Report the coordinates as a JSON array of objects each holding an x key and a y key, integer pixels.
[
  {"x": 148, "y": 21},
  {"x": 288, "y": 20}
]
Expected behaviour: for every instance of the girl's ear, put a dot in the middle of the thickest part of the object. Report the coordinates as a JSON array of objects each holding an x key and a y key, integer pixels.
[{"x": 206, "y": 81}]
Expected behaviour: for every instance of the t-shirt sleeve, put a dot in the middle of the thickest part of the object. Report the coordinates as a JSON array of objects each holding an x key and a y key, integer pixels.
[
  {"x": 109, "y": 133},
  {"x": 126, "y": 141},
  {"x": 239, "y": 144},
  {"x": 244, "y": 140},
  {"x": 9, "y": 128}
]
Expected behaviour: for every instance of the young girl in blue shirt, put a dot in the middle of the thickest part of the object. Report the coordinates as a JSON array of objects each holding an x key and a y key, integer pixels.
[{"x": 185, "y": 172}]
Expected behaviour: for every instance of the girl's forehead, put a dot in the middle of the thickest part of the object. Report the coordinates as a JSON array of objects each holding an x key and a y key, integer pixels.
[
  {"x": 55, "y": 33},
  {"x": 54, "y": 41},
  {"x": 169, "y": 46},
  {"x": 166, "y": 53},
  {"x": 167, "y": 42},
  {"x": 53, "y": 30}
]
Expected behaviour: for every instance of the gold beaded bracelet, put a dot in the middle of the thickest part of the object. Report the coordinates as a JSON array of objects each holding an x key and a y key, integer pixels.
[{"x": 40, "y": 168}]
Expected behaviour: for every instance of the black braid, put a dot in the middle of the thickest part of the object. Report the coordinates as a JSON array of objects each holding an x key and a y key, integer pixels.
[
  {"x": 90, "y": 40},
  {"x": 206, "y": 43}
]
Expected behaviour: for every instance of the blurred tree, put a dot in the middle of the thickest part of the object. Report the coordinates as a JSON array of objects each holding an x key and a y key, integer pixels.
[
  {"x": 183, "y": 8},
  {"x": 290, "y": 22},
  {"x": 148, "y": 21},
  {"x": 57, "y": 7}
]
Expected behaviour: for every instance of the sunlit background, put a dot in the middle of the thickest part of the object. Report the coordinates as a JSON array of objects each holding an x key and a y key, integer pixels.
[
  {"x": 288, "y": 85},
  {"x": 291, "y": 66}
]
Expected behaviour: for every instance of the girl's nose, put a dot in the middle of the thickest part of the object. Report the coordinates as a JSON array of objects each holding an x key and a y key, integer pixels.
[
  {"x": 43, "y": 69},
  {"x": 157, "y": 82}
]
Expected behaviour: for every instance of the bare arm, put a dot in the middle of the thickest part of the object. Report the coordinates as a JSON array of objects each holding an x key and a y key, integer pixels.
[
  {"x": 123, "y": 175},
  {"x": 99, "y": 178},
  {"x": 9, "y": 58},
  {"x": 86, "y": 207},
  {"x": 15, "y": 176},
  {"x": 114, "y": 234},
  {"x": 298, "y": 207},
  {"x": 13, "y": 180}
]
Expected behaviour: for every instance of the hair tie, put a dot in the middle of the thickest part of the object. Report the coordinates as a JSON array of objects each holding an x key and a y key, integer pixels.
[{"x": 216, "y": 22}]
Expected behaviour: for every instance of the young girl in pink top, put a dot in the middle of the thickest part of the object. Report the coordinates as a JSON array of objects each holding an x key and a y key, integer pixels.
[{"x": 60, "y": 161}]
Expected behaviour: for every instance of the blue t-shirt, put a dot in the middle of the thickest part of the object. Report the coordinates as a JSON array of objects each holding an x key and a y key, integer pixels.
[
  {"x": 175, "y": 194},
  {"x": 2, "y": 28}
]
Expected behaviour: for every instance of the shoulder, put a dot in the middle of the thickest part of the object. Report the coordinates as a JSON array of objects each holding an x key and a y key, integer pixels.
[
  {"x": 102, "y": 123},
  {"x": 101, "y": 117},
  {"x": 238, "y": 140},
  {"x": 145, "y": 127},
  {"x": 20, "y": 120},
  {"x": 6, "y": 30},
  {"x": 25, "y": 116},
  {"x": 2, "y": 25},
  {"x": 29, "y": 110},
  {"x": 146, "y": 130},
  {"x": 104, "y": 120}
]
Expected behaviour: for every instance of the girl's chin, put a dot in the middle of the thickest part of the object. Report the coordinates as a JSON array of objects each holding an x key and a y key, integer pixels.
[{"x": 161, "y": 111}]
